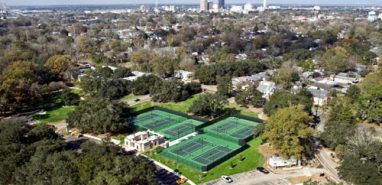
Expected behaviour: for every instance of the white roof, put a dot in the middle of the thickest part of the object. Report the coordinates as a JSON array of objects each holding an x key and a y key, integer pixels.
[
  {"x": 139, "y": 73},
  {"x": 131, "y": 78},
  {"x": 266, "y": 87},
  {"x": 276, "y": 161}
]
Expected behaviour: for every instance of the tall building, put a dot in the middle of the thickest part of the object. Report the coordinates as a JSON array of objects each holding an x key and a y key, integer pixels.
[
  {"x": 221, "y": 4},
  {"x": 203, "y": 5},
  {"x": 265, "y": 4},
  {"x": 210, "y": 5}
]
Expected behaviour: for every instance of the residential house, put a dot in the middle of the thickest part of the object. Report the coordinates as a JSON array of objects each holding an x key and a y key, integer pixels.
[
  {"x": 267, "y": 88},
  {"x": 345, "y": 78},
  {"x": 183, "y": 75},
  {"x": 320, "y": 96},
  {"x": 279, "y": 162}
]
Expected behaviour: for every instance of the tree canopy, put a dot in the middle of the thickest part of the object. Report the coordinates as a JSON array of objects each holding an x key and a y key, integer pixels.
[
  {"x": 287, "y": 131},
  {"x": 211, "y": 105},
  {"x": 281, "y": 99},
  {"x": 336, "y": 60},
  {"x": 36, "y": 155},
  {"x": 98, "y": 116},
  {"x": 371, "y": 97},
  {"x": 340, "y": 123},
  {"x": 250, "y": 96}
]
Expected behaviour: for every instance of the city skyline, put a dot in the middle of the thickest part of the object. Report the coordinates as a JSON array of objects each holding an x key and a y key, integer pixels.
[{"x": 90, "y": 2}]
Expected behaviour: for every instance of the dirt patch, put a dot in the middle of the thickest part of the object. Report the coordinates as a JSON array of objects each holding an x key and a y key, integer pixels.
[{"x": 302, "y": 179}]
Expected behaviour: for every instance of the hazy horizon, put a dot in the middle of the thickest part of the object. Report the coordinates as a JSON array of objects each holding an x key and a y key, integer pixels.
[{"x": 111, "y": 2}]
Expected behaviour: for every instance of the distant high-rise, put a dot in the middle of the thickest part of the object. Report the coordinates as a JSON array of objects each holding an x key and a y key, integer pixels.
[
  {"x": 221, "y": 4},
  {"x": 203, "y": 5},
  {"x": 265, "y": 4}
]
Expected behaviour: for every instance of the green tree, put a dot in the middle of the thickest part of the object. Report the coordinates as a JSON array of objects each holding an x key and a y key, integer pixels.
[
  {"x": 60, "y": 66},
  {"x": 287, "y": 131},
  {"x": 69, "y": 98},
  {"x": 169, "y": 90},
  {"x": 281, "y": 99},
  {"x": 211, "y": 105},
  {"x": 224, "y": 86},
  {"x": 19, "y": 86},
  {"x": 286, "y": 75},
  {"x": 98, "y": 116},
  {"x": 353, "y": 93},
  {"x": 335, "y": 60},
  {"x": 250, "y": 96},
  {"x": 371, "y": 97},
  {"x": 340, "y": 123},
  {"x": 163, "y": 65},
  {"x": 362, "y": 164},
  {"x": 141, "y": 60},
  {"x": 143, "y": 84}
]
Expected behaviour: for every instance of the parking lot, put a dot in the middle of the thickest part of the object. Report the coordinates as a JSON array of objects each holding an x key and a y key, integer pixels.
[{"x": 164, "y": 177}]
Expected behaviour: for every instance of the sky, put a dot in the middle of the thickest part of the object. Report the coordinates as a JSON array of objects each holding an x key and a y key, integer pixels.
[{"x": 89, "y": 2}]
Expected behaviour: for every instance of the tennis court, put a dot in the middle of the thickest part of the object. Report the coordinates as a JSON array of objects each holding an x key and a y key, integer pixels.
[
  {"x": 170, "y": 125},
  {"x": 233, "y": 129},
  {"x": 201, "y": 152}
]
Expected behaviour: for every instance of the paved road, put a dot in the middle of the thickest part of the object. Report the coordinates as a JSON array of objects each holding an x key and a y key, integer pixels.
[
  {"x": 326, "y": 160},
  {"x": 257, "y": 178}
]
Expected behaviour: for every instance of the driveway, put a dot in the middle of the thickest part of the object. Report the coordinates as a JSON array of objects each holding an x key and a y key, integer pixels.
[{"x": 326, "y": 160}]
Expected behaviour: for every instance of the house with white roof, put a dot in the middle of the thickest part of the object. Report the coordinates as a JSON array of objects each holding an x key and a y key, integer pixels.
[
  {"x": 344, "y": 78},
  {"x": 320, "y": 96},
  {"x": 279, "y": 162},
  {"x": 183, "y": 75},
  {"x": 267, "y": 88}
]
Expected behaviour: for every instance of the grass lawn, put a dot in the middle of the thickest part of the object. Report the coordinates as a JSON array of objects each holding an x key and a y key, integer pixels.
[
  {"x": 129, "y": 97},
  {"x": 176, "y": 106},
  {"x": 251, "y": 155},
  {"x": 55, "y": 115},
  {"x": 242, "y": 110}
]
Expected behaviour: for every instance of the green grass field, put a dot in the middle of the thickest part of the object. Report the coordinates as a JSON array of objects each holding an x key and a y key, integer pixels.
[
  {"x": 55, "y": 115},
  {"x": 251, "y": 160},
  {"x": 129, "y": 97},
  {"x": 241, "y": 110}
]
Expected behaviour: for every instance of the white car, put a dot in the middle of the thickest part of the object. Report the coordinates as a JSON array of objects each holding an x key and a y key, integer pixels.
[{"x": 227, "y": 179}]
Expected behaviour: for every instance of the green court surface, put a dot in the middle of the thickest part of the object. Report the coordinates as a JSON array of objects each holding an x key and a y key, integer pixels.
[
  {"x": 232, "y": 129},
  {"x": 170, "y": 125},
  {"x": 201, "y": 152}
]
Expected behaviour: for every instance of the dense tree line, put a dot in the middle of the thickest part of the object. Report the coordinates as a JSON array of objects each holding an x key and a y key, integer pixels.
[
  {"x": 288, "y": 132},
  {"x": 210, "y": 105},
  {"x": 173, "y": 90},
  {"x": 106, "y": 83},
  {"x": 24, "y": 83},
  {"x": 97, "y": 115},
  {"x": 250, "y": 96},
  {"x": 282, "y": 99},
  {"x": 36, "y": 155}
]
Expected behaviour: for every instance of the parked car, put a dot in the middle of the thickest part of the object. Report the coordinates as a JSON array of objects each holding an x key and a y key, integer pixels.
[
  {"x": 181, "y": 181},
  {"x": 227, "y": 179},
  {"x": 262, "y": 170}
]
